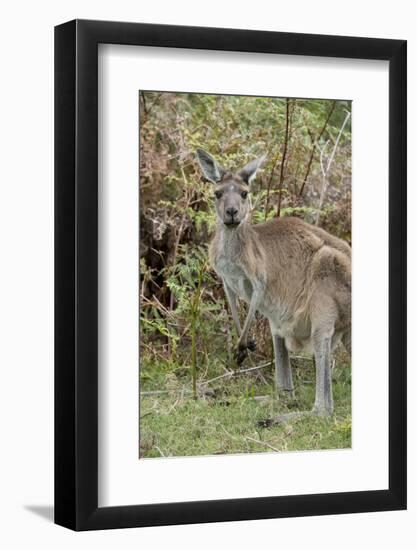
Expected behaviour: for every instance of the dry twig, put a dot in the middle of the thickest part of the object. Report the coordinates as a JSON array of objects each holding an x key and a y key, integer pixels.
[{"x": 262, "y": 443}]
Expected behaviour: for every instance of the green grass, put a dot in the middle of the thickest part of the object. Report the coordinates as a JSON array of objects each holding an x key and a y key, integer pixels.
[{"x": 225, "y": 417}]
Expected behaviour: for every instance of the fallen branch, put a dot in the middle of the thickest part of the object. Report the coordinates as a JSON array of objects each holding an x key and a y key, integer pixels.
[
  {"x": 161, "y": 392},
  {"x": 232, "y": 373},
  {"x": 302, "y": 357},
  {"x": 159, "y": 451},
  {"x": 228, "y": 374},
  {"x": 261, "y": 398},
  {"x": 262, "y": 443}
]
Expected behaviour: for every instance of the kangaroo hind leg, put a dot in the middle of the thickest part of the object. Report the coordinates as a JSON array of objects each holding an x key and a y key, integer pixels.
[
  {"x": 283, "y": 374},
  {"x": 322, "y": 334}
]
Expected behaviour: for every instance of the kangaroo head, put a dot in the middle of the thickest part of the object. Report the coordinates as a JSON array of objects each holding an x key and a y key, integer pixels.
[{"x": 231, "y": 188}]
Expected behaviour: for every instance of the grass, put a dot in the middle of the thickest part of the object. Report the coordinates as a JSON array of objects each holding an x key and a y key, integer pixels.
[{"x": 225, "y": 417}]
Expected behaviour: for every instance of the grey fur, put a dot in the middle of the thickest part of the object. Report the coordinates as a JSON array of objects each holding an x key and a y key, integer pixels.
[
  {"x": 211, "y": 169},
  {"x": 295, "y": 274}
]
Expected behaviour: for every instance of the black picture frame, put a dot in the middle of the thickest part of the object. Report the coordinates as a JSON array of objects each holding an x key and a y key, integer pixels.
[{"x": 76, "y": 272}]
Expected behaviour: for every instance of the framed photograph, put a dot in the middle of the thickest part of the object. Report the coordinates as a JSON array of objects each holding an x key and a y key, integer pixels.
[{"x": 230, "y": 255}]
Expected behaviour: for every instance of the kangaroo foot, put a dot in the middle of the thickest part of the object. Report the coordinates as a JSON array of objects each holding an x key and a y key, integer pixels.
[
  {"x": 286, "y": 393},
  {"x": 322, "y": 411}
]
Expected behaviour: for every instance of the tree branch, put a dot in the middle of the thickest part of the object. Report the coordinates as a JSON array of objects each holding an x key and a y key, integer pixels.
[
  {"x": 325, "y": 170},
  {"x": 313, "y": 148},
  {"x": 284, "y": 154}
]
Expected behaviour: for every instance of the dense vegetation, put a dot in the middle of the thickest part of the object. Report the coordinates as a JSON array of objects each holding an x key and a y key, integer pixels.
[{"x": 192, "y": 401}]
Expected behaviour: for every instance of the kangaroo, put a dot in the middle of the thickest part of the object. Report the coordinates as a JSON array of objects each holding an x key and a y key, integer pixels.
[{"x": 295, "y": 274}]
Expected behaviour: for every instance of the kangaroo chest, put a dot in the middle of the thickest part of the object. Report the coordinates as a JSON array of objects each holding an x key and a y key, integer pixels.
[
  {"x": 275, "y": 306},
  {"x": 234, "y": 276}
]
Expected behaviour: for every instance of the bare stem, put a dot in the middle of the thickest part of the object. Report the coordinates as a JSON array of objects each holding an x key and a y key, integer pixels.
[
  {"x": 284, "y": 155},
  {"x": 325, "y": 169},
  {"x": 262, "y": 443},
  {"x": 313, "y": 148}
]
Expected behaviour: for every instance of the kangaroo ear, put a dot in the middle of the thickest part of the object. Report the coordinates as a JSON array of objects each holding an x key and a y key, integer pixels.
[
  {"x": 209, "y": 166},
  {"x": 248, "y": 172}
]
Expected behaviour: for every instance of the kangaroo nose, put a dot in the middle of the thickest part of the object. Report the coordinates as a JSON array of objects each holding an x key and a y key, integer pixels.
[{"x": 231, "y": 212}]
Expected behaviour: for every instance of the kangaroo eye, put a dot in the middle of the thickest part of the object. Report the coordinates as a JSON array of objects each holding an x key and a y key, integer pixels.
[
  {"x": 244, "y": 194},
  {"x": 218, "y": 194}
]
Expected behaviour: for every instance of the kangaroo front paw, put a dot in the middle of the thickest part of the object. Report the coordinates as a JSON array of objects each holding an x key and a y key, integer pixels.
[
  {"x": 251, "y": 345},
  {"x": 266, "y": 423},
  {"x": 242, "y": 351},
  {"x": 241, "y": 354}
]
